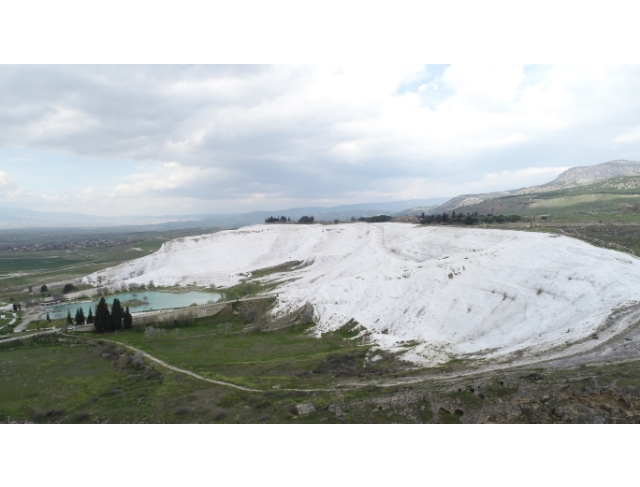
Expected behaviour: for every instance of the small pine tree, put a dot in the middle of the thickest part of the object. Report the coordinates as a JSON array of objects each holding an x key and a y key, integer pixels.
[
  {"x": 15, "y": 307},
  {"x": 69, "y": 319},
  {"x": 48, "y": 319}
]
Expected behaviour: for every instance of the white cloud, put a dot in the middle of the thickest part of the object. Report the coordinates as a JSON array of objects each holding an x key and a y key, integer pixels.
[
  {"x": 167, "y": 176},
  {"x": 630, "y": 136},
  {"x": 330, "y": 133},
  {"x": 61, "y": 122},
  {"x": 6, "y": 183}
]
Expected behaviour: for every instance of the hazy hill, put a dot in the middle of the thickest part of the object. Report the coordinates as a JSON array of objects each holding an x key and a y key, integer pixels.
[
  {"x": 21, "y": 218},
  {"x": 519, "y": 198},
  {"x": 609, "y": 195}
]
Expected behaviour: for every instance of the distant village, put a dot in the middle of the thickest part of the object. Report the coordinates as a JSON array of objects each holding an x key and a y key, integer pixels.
[{"x": 79, "y": 244}]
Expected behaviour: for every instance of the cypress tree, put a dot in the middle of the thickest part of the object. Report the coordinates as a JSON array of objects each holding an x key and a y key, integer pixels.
[
  {"x": 48, "y": 319},
  {"x": 90, "y": 317},
  {"x": 69, "y": 319},
  {"x": 128, "y": 319},
  {"x": 116, "y": 315},
  {"x": 102, "y": 320},
  {"x": 80, "y": 319}
]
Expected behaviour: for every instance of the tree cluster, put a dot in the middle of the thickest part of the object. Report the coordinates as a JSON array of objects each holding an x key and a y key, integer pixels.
[
  {"x": 306, "y": 219},
  {"x": 114, "y": 320},
  {"x": 376, "y": 219},
  {"x": 80, "y": 318},
  {"x": 275, "y": 219},
  {"x": 466, "y": 219}
]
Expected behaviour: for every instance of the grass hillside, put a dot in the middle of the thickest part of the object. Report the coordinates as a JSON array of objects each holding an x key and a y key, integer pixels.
[
  {"x": 617, "y": 172},
  {"x": 619, "y": 194}
]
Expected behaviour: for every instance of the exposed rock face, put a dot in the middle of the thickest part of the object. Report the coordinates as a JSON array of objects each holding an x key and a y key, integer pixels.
[
  {"x": 529, "y": 400},
  {"x": 304, "y": 409},
  {"x": 600, "y": 172}
]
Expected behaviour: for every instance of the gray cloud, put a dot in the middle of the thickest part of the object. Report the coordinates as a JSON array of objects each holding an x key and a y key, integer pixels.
[{"x": 296, "y": 133}]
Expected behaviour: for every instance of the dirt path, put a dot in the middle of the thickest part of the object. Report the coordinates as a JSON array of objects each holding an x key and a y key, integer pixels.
[
  {"x": 183, "y": 371},
  {"x": 23, "y": 337},
  {"x": 212, "y": 381}
]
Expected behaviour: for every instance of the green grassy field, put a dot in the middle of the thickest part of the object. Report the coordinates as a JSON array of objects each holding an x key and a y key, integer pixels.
[
  {"x": 6, "y": 320},
  {"x": 66, "y": 379},
  {"x": 62, "y": 380},
  {"x": 40, "y": 324},
  {"x": 218, "y": 348},
  {"x": 72, "y": 380}
]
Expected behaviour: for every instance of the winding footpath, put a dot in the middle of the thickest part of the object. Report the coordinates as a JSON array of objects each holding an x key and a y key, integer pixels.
[{"x": 183, "y": 371}]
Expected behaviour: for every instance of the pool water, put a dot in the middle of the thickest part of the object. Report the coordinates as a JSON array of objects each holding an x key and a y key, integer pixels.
[{"x": 144, "y": 301}]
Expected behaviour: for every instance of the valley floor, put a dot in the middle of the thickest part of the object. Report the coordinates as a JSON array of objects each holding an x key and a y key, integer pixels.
[{"x": 326, "y": 367}]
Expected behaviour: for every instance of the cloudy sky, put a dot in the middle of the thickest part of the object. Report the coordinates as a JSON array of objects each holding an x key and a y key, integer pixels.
[{"x": 120, "y": 140}]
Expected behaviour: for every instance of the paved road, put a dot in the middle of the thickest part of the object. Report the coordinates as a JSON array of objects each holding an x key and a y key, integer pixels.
[{"x": 27, "y": 318}]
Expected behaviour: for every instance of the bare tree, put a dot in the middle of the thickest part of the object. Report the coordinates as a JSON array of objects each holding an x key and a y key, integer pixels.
[{"x": 152, "y": 333}]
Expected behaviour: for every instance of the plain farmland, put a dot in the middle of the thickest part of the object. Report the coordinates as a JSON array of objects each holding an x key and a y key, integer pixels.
[{"x": 20, "y": 269}]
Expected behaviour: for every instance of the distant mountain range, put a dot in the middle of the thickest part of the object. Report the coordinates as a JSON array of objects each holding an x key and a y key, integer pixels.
[
  {"x": 572, "y": 178},
  {"x": 21, "y": 218}
]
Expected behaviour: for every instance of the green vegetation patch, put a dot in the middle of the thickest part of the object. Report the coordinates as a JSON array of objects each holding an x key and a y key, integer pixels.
[
  {"x": 249, "y": 288},
  {"x": 220, "y": 349},
  {"x": 467, "y": 398},
  {"x": 446, "y": 417},
  {"x": 286, "y": 267}
]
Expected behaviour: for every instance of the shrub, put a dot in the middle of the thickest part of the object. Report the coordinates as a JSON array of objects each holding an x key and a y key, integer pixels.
[
  {"x": 152, "y": 333},
  {"x": 182, "y": 411},
  {"x": 123, "y": 361},
  {"x": 251, "y": 314},
  {"x": 138, "y": 358},
  {"x": 82, "y": 416},
  {"x": 68, "y": 288}
]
